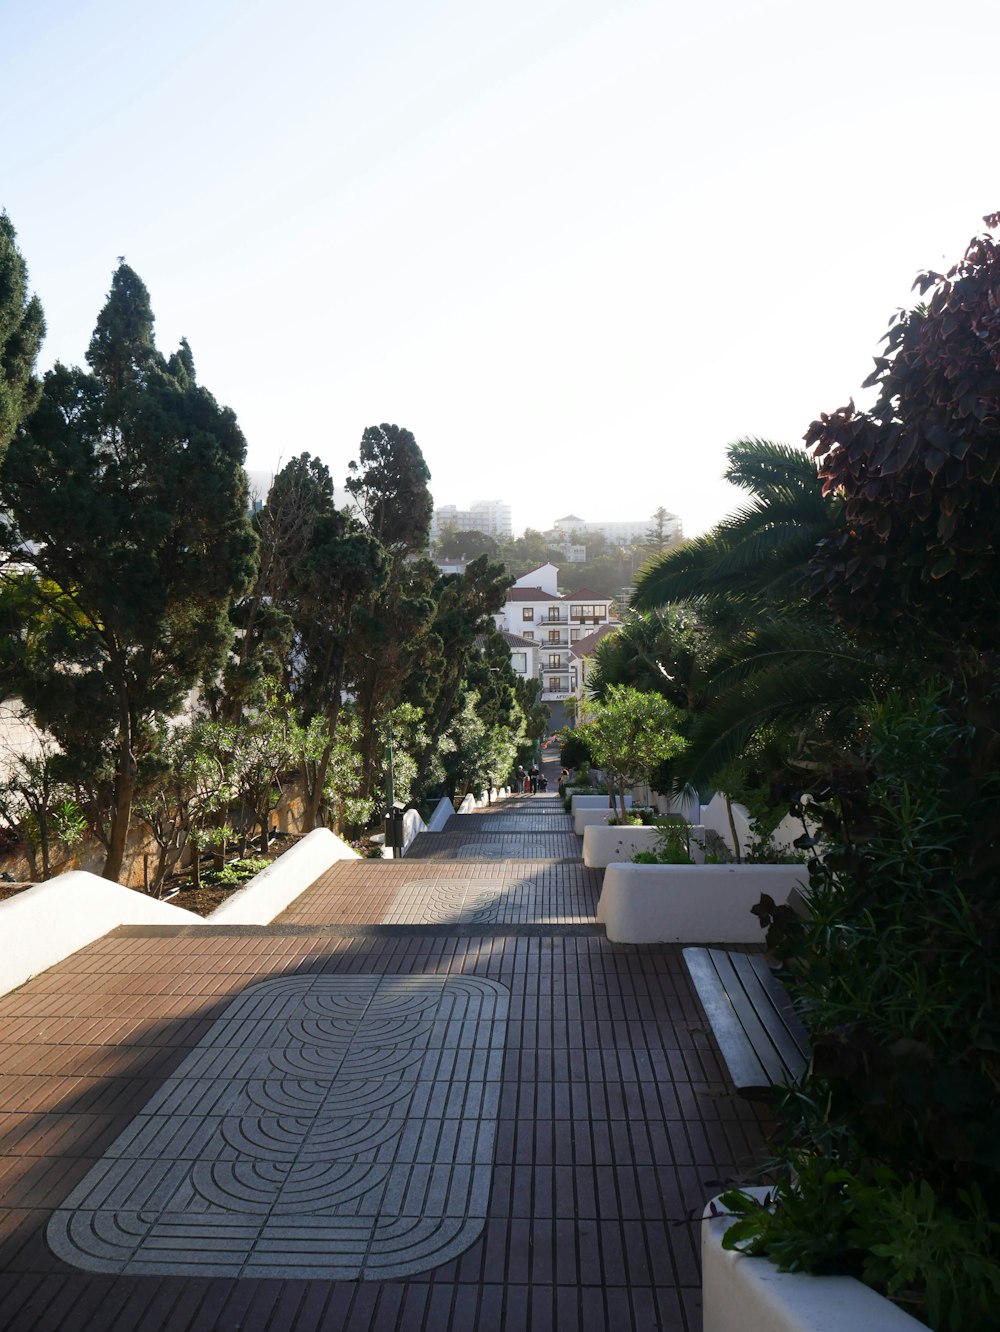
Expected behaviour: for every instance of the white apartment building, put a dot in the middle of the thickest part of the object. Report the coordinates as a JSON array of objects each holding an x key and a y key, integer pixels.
[
  {"x": 489, "y": 516},
  {"x": 535, "y": 610},
  {"x": 618, "y": 533}
]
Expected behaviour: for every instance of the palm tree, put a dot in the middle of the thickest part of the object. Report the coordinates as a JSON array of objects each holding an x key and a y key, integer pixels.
[
  {"x": 779, "y": 665},
  {"x": 760, "y": 552}
]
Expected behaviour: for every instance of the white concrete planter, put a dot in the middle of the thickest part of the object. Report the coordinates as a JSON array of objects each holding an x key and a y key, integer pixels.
[
  {"x": 742, "y": 1294},
  {"x": 604, "y": 846},
  {"x": 595, "y": 802},
  {"x": 690, "y": 903},
  {"x": 590, "y": 818}
]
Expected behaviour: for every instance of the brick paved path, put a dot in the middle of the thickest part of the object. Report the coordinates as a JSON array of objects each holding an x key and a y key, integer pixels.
[{"x": 431, "y": 1095}]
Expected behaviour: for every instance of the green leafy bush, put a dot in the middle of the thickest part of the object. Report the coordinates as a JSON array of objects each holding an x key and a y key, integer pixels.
[
  {"x": 673, "y": 845},
  {"x": 236, "y": 872},
  {"x": 896, "y": 971},
  {"x": 939, "y": 1262}
]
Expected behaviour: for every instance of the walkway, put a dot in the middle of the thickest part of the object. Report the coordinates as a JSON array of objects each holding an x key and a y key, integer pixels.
[{"x": 431, "y": 1095}]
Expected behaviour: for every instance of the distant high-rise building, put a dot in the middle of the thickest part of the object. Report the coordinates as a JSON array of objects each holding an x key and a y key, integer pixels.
[
  {"x": 489, "y": 516},
  {"x": 619, "y": 533}
]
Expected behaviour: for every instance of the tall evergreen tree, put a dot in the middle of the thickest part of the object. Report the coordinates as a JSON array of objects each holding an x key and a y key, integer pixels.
[
  {"x": 126, "y": 494},
  {"x": 390, "y": 483},
  {"x": 22, "y": 327}
]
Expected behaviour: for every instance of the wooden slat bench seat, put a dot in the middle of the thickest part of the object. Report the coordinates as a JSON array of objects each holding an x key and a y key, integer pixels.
[{"x": 758, "y": 1032}]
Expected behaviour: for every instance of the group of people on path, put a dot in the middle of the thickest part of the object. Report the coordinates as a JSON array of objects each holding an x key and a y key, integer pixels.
[{"x": 530, "y": 782}]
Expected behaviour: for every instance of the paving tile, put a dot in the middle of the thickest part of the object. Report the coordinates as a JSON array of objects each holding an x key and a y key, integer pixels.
[{"x": 270, "y": 1098}]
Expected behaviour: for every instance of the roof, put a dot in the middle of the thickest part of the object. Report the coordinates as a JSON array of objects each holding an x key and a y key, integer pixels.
[
  {"x": 587, "y": 592},
  {"x": 512, "y": 640},
  {"x": 583, "y": 647},
  {"x": 530, "y": 594}
]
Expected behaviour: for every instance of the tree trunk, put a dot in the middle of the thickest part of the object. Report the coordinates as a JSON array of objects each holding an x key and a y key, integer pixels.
[
  {"x": 732, "y": 831},
  {"x": 314, "y": 789},
  {"x": 121, "y": 817}
]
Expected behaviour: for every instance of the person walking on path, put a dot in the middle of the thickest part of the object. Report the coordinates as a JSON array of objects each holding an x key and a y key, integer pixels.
[
  {"x": 519, "y": 777},
  {"x": 533, "y": 778}
]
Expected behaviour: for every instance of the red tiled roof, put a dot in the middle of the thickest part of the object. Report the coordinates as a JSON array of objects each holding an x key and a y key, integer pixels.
[
  {"x": 585, "y": 592},
  {"x": 583, "y": 647}
]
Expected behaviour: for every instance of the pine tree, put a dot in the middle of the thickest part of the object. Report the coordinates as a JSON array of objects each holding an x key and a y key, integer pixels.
[
  {"x": 22, "y": 327},
  {"x": 127, "y": 493}
]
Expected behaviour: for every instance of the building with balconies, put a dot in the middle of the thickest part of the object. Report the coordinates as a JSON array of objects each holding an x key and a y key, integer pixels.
[
  {"x": 491, "y": 517},
  {"x": 535, "y": 610}
]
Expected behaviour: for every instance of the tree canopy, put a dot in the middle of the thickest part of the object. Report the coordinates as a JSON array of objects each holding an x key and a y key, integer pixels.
[
  {"x": 389, "y": 481},
  {"x": 126, "y": 497},
  {"x": 917, "y": 555},
  {"x": 22, "y": 327}
]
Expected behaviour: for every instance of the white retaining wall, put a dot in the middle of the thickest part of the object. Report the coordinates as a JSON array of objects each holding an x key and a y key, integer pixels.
[
  {"x": 47, "y": 923},
  {"x": 268, "y": 893}
]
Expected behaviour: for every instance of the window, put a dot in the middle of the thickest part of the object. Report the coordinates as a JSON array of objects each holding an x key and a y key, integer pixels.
[
  {"x": 555, "y": 660},
  {"x": 574, "y": 635},
  {"x": 553, "y": 612},
  {"x": 527, "y": 613},
  {"x": 519, "y": 661},
  {"x": 528, "y": 633},
  {"x": 553, "y": 635}
]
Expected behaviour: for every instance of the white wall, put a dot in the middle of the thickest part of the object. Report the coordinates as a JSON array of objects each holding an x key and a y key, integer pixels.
[
  {"x": 268, "y": 893},
  {"x": 47, "y": 923}
]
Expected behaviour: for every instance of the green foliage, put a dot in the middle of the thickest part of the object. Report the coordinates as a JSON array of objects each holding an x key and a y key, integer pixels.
[
  {"x": 629, "y": 734},
  {"x": 673, "y": 846},
  {"x": 661, "y": 651},
  {"x": 455, "y": 545},
  {"x": 22, "y": 327},
  {"x": 236, "y": 872},
  {"x": 897, "y": 966},
  {"x": 125, "y": 494},
  {"x": 760, "y": 553},
  {"x": 185, "y": 788},
  {"x": 41, "y": 807},
  {"x": 574, "y": 747},
  {"x": 938, "y": 1261},
  {"x": 390, "y": 484},
  {"x": 266, "y": 745},
  {"x": 915, "y": 557}
]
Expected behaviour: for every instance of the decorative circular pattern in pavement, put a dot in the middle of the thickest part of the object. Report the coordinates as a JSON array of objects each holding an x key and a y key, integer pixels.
[{"x": 327, "y": 1126}]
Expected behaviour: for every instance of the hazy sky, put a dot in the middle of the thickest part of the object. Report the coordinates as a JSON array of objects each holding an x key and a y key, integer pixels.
[{"x": 576, "y": 246}]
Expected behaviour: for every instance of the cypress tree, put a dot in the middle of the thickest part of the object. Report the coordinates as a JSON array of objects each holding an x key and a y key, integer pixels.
[
  {"x": 22, "y": 327},
  {"x": 126, "y": 492}
]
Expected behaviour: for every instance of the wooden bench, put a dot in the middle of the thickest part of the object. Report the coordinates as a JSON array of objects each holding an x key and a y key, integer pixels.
[{"x": 758, "y": 1032}]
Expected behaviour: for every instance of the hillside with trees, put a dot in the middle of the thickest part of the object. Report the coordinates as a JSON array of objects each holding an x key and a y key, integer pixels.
[{"x": 185, "y": 665}]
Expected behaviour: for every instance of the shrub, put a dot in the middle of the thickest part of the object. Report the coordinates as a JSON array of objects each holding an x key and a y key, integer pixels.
[
  {"x": 236, "y": 872},
  {"x": 897, "y": 1236},
  {"x": 897, "y": 973}
]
